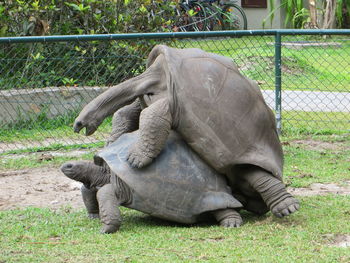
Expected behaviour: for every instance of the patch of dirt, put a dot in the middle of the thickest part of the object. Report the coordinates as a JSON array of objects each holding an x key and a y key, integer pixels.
[
  {"x": 338, "y": 240},
  {"x": 311, "y": 144},
  {"x": 39, "y": 187},
  {"x": 321, "y": 189}
]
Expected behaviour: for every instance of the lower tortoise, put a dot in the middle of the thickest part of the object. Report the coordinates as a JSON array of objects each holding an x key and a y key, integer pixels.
[{"x": 178, "y": 186}]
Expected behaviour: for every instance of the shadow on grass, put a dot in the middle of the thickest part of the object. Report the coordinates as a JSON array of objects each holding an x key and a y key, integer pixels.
[{"x": 208, "y": 220}]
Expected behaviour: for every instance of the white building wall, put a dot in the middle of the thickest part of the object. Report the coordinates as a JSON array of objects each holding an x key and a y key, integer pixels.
[{"x": 255, "y": 17}]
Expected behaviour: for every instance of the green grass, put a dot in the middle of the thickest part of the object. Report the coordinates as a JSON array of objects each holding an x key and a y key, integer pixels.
[
  {"x": 304, "y": 166},
  {"x": 312, "y": 68},
  {"x": 40, "y": 130},
  {"x": 41, "y": 235},
  {"x": 315, "y": 156},
  {"x": 49, "y": 135},
  {"x": 318, "y": 123},
  {"x": 66, "y": 235},
  {"x": 34, "y": 161},
  {"x": 55, "y": 147}
]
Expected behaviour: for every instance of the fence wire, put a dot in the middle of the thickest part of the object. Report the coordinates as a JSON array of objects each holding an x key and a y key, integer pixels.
[{"x": 44, "y": 85}]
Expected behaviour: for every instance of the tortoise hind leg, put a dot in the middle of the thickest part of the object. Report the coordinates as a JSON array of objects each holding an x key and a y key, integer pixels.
[
  {"x": 253, "y": 203},
  {"x": 155, "y": 125},
  {"x": 228, "y": 217},
  {"x": 109, "y": 211},
  {"x": 273, "y": 192}
]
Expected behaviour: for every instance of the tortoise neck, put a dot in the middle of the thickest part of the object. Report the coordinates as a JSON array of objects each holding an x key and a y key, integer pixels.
[
  {"x": 97, "y": 177},
  {"x": 123, "y": 191}
]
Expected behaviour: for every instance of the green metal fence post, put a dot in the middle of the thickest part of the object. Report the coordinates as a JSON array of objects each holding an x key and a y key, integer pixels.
[{"x": 278, "y": 92}]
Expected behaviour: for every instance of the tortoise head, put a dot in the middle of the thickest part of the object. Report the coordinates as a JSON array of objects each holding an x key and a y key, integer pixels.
[
  {"x": 78, "y": 170},
  {"x": 86, "y": 172},
  {"x": 151, "y": 84}
]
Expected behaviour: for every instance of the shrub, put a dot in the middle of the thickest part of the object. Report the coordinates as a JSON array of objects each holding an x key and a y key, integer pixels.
[{"x": 77, "y": 63}]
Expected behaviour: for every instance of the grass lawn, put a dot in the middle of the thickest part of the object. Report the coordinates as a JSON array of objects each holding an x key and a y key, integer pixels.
[
  {"x": 321, "y": 159},
  {"x": 300, "y": 122},
  {"x": 40, "y": 235},
  {"x": 66, "y": 235}
]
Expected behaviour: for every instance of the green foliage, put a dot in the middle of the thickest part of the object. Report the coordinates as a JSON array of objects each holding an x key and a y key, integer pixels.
[
  {"x": 97, "y": 63},
  {"x": 342, "y": 13},
  {"x": 87, "y": 16},
  {"x": 297, "y": 13}
]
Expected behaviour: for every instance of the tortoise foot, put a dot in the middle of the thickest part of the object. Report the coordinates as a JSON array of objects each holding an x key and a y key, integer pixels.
[
  {"x": 138, "y": 159},
  {"x": 286, "y": 207},
  {"x": 231, "y": 222},
  {"x": 109, "y": 229},
  {"x": 228, "y": 218},
  {"x": 93, "y": 216}
]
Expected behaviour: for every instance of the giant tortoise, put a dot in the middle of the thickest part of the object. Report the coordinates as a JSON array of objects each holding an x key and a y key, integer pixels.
[{"x": 177, "y": 186}]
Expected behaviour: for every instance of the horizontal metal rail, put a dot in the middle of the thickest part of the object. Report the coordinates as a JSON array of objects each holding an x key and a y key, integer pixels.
[{"x": 233, "y": 33}]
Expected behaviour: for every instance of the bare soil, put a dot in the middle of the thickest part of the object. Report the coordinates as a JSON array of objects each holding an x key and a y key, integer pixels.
[
  {"x": 317, "y": 145},
  {"x": 322, "y": 189},
  {"x": 39, "y": 187},
  {"x": 337, "y": 240},
  {"x": 49, "y": 187}
]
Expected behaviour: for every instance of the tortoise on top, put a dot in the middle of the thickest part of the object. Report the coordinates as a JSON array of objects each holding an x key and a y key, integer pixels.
[
  {"x": 220, "y": 113},
  {"x": 177, "y": 186}
]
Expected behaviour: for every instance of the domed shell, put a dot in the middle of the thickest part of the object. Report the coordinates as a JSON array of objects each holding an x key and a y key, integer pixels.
[
  {"x": 220, "y": 113},
  {"x": 176, "y": 186}
]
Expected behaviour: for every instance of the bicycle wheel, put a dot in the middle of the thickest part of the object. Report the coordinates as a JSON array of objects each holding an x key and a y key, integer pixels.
[
  {"x": 233, "y": 17},
  {"x": 182, "y": 19},
  {"x": 198, "y": 17},
  {"x": 190, "y": 17}
]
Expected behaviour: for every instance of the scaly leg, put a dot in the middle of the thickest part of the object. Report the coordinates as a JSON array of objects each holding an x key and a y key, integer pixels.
[
  {"x": 125, "y": 120},
  {"x": 273, "y": 192},
  {"x": 90, "y": 201},
  {"x": 109, "y": 211},
  {"x": 155, "y": 125}
]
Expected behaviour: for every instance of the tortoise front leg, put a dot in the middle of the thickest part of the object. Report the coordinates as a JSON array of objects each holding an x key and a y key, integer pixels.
[
  {"x": 90, "y": 201},
  {"x": 155, "y": 125},
  {"x": 109, "y": 211},
  {"x": 125, "y": 120},
  {"x": 228, "y": 217}
]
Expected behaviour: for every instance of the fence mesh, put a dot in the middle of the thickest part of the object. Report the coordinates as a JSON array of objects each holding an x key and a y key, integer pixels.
[
  {"x": 43, "y": 86},
  {"x": 316, "y": 82}
]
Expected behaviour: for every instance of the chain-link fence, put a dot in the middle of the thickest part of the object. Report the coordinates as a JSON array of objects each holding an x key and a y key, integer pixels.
[{"x": 45, "y": 81}]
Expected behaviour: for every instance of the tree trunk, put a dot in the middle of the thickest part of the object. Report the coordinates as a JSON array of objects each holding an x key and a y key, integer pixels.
[
  {"x": 313, "y": 14},
  {"x": 329, "y": 16}
]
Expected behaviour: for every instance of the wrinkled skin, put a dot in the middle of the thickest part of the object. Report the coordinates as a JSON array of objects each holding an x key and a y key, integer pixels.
[{"x": 220, "y": 114}]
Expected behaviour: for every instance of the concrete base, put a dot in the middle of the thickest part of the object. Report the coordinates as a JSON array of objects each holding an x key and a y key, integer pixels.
[{"x": 24, "y": 104}]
